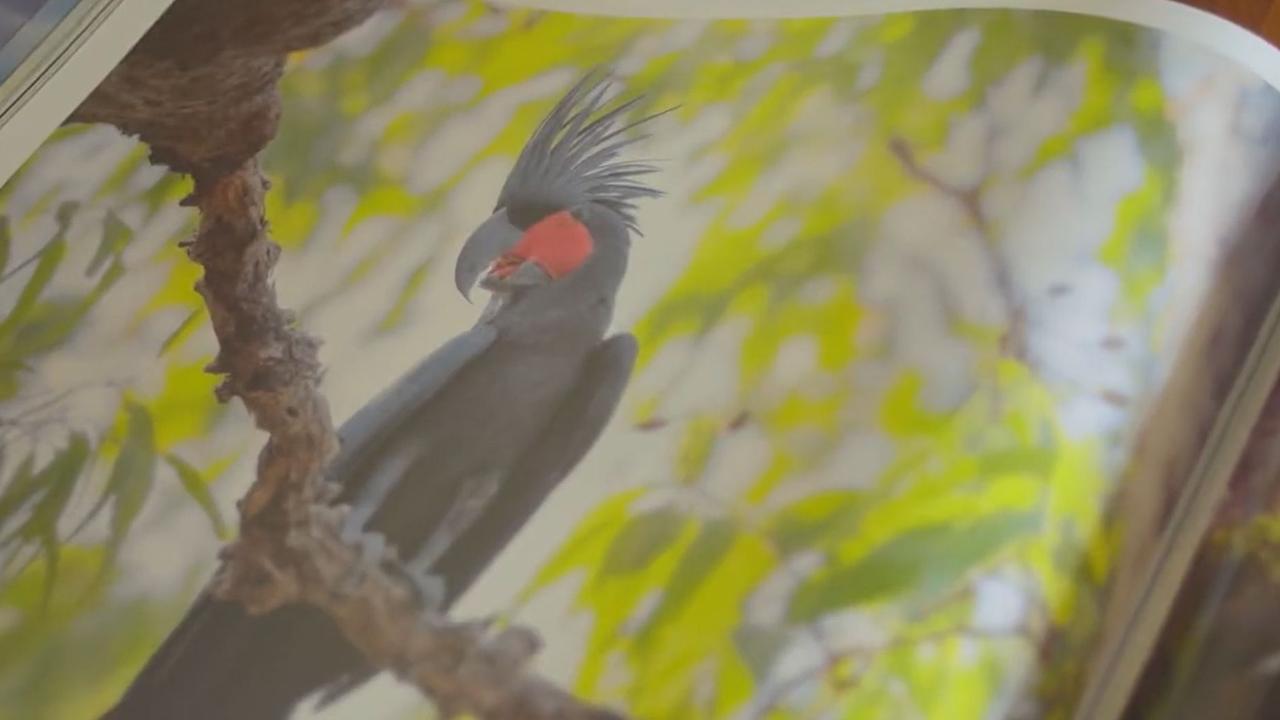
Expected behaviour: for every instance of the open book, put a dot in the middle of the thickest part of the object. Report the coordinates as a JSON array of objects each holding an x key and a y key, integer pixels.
[{"x": 954, "y": 387}]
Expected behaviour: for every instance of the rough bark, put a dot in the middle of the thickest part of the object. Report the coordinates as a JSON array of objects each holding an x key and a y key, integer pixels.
[
  {"x": 201, "y": 90},
  {"x": 201, "y": 86}
]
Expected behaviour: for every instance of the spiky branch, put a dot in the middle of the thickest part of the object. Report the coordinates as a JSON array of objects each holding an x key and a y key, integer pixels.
[{"x": 201, "y": 90}]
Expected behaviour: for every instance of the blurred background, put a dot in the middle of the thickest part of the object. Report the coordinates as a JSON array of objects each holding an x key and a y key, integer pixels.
[{"x": 913, "y": 283}]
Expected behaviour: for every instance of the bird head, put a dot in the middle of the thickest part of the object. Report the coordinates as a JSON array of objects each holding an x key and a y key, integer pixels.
[{"x": 566, "y": 211}]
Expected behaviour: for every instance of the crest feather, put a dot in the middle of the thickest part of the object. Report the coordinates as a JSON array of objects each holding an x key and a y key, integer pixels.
[{"x": 572, "y": 157}]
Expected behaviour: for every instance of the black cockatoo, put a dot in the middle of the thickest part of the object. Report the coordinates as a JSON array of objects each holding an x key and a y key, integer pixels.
[{"x": 449, "y": 462}]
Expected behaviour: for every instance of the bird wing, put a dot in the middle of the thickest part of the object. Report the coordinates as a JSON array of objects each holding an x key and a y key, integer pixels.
[
  {"x": 573, "y": 430},
  {"x": 405, "y": 397}
]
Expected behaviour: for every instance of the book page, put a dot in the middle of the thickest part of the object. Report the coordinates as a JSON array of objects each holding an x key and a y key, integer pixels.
[{"x": 936, "y": 315}]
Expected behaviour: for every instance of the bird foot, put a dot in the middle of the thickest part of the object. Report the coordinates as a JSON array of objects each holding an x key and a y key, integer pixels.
[
  {"x": 431, "y": 588},
  {"x": 373, "y": 550}
]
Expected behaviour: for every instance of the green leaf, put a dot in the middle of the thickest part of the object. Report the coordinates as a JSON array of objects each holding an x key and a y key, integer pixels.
[
  {"x": 48, "y": 325},
  {"x": 409, "y": 290},
  {"x": 22, "y": 487},
  {"x": 695, "y": 566},
  {"x": 114, "y": 272},
  {"x": 590, "y": 541},
  {"x": 181, "y": 332},
  {"x": 198, "y": 489},
  {"x": 642, "y": 539},
  {"x": 115, "y": 237},
  {"x": 759, "y": 645},
  {"x": 6, "y": 243},
  {"x": 9, "y": 370},
  {"x": 1138, "y": 245},
  {"x": 50, "y": 257},
  {"x": 825, "y": 515},
  {"x": 132, "y": 474},
  {"x": 386, "y": 199},
  {"x": 1036, "y": 461},
  {"x": 902, "y": 414},
  {"x": 65, "y": 214},
  {"x": 51, "y": 322},
  {"x": 51, "y": 549},
  {"x": 57, "y": 480},
  {"x": 24, "y": 593},
  {"x": 130, "y": 479},
  {"x": 696, "y": 448},
  {"x": 920, "y": 561}
]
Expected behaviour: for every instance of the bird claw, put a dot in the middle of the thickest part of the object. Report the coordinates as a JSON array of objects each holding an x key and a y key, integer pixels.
[
  {"x": 373, "y": 548},
  {"x": 431, "y": 588},
  {"x": 352, "y": 527}
]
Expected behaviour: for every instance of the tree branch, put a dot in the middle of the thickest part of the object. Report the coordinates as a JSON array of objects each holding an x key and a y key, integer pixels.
[
  {"x": 200, "y": 88},
  {"x": 970, "y": 201}
]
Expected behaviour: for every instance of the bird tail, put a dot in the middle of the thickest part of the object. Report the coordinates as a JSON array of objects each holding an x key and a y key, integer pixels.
[{"x": 221, "y": 663}]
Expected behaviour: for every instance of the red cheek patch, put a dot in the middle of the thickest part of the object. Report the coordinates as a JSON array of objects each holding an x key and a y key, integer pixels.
[{"x": 558, "y": 243}]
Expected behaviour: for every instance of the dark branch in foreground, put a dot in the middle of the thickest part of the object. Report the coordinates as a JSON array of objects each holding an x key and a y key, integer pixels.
[{"x": 200, "y": 89}]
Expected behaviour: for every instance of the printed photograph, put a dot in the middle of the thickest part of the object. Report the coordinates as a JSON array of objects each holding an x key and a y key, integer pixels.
[{"x": 740, "y": 368}]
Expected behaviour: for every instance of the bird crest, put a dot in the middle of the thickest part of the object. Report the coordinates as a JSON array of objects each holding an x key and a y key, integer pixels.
[{"x": 573, "y": 158}]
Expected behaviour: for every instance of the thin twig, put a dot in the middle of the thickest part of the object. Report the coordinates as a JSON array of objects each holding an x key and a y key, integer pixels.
[
  {"x": 22, "y": 265},
  {"x": 970, "y": 200}
]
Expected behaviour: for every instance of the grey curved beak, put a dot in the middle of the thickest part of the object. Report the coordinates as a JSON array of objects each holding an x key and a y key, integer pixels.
[{"x": 494, "y": 236}]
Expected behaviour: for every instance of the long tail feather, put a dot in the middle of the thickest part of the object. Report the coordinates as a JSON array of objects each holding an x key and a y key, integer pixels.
[{"x": 221, "y": 663}]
